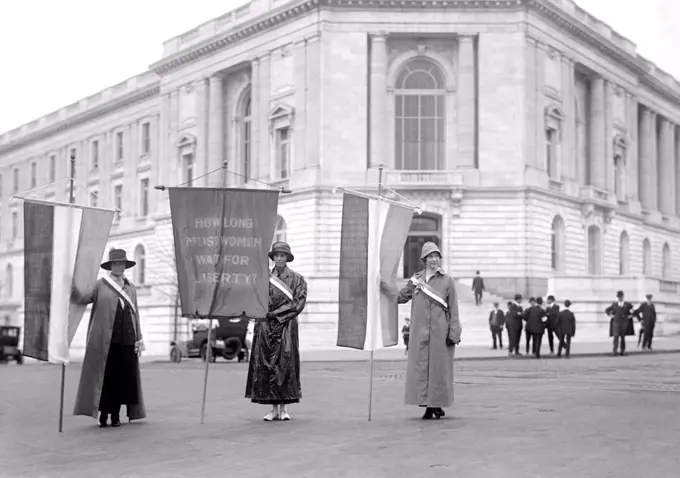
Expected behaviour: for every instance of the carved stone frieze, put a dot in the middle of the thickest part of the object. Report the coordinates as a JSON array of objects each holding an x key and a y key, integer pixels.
[{"x": 442, "y": 48}]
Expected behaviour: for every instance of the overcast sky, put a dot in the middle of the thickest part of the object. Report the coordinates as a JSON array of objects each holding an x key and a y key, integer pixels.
[{"x": 55, "y": 52}]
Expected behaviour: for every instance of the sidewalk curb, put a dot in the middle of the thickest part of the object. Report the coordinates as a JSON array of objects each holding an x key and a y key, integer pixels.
[{"x": 480, "y": 359}]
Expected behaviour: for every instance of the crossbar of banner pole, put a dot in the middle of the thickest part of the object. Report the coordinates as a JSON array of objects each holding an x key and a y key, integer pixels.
[
  {"x": 417, "y": 209},
  {"x": 59, "y": 203}
]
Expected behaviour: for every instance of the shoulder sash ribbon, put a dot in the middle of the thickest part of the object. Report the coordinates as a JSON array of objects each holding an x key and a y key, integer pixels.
[
  {"x": 431, "y": 294},
  {"x": 120, "y": 293},
  {"x": 283, "y": 288}
]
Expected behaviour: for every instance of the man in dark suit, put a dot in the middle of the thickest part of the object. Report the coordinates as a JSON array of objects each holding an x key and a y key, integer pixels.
[
  {"x": 496, "y": 322},
  {"x": 565, "y": 327},
  {"x": 535, "y": 317},
  {"x": 646, "y": 314},
  {"x": 620, "y": 312},
  {"x": 527, "y": 333},
  {"x": 478, "y": 288},
  {"x": 551, "y": 311},
  {"x": 514, "y": 324}
]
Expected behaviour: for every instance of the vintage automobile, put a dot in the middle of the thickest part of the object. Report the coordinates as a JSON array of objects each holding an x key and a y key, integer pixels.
[
  {"x": 9, "y": 344},
  {"x": 230, "y": 339}
]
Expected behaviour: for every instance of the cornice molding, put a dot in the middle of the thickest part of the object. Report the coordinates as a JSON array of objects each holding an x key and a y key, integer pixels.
[{"x": 88, "y": 115}]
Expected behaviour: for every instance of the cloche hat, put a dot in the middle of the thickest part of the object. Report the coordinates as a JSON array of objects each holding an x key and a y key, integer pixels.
[
  {"x": 429, "y": 248},
  {"x": 281, "y": 247},
  {"x": 117, "y": 255}
]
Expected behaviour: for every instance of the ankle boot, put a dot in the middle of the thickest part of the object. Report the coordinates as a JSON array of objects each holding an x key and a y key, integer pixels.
[{"x": 103, "y": 418}]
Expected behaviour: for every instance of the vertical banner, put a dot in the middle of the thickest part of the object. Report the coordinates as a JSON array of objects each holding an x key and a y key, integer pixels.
[
  {"x": 371, "y": 243},
  {"x": 63, "y": 246},
  {"x": 222, "y": 237}
]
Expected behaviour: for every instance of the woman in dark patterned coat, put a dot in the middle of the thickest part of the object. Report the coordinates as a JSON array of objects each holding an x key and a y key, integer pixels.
[
  {"x": 274, "y": 371},
  {"x": 110, "y": 375}
]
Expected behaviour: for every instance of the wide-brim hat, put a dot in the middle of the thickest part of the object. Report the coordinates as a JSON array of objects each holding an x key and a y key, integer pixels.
[
  {"x": 117, "y": 255},
  {"x": 282, "y": 247},
  {"x": 429, "y": 248}
]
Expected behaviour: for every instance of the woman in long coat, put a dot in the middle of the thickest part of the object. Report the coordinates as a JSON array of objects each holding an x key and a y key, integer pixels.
[
  {"x": 274, "y": 371},
  {"x": 435, "y": 332},
  {"x": 110, "y": 375}
]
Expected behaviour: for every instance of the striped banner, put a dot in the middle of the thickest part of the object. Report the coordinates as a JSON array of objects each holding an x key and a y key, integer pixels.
[
  {"x": 63, "y": 247},
  {"x": 372, "y": 240}
]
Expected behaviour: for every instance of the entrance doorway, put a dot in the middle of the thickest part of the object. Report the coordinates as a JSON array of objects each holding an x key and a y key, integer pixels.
[{"x": 424, "y": 228}]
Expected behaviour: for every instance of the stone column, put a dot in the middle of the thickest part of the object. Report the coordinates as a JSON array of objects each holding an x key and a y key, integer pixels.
[
  {"x": 467, "y": 103},
  {"x": 541, "y": 57},
  {"x": 666, "y": 190},
  {"x": 597, "y": 150},
  {"x": 313, "y": 114},
  {"x": 255, "y": 125},
  {"x": 165, "y": 155},
  {"x": 632, "y": 147},
  {"x": 300, "y": 80},
  {"x": 378, "y": 71},
  {"x": 130, "y": 161},
  {"x": 647, "y": 162},
  {"x": 262, "y": 118},
  {"x": 216, "y": 152},
  {"x": 105, "y": 192},
  {"x": 202, "y": 101},
  {"x": 608, "y": 137},
  {"x": 531, "y": 120},
  {"x": 677, "y": 171},
  {"x": 569, "y": 127},
  {"x": 653, "y": 165}
]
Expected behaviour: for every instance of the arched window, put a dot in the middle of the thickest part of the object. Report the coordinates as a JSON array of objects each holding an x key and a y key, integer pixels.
[
  {"x": 420, "y": 118},
  {"x": 424, "y": 228},
  {"x": 140, "y": 268},
  {"x": 9, "y": 281},
  {"x": 624, "y": 253},
  {"x": 667, "y": 272},
  {"x": 280, "y": 231},
  {"x": 594, "y": 251},
  {"x": 246, "y": 136},
  {"x": 557, "y": 244},
  {"x": 646, "y": 257}
]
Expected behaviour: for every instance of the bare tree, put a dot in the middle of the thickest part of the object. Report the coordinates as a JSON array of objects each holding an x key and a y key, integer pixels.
[{"x": 167, "y": 283}]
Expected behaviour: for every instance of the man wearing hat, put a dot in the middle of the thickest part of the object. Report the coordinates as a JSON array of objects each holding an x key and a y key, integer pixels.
[
  {"x": 514, "y": 325},
  {"x": 496, "y": 322},
  {"x": 621, "y": 314},
  {"x": 566, "y": 329},
  {"x": 552, "y": 311},
  {"x": 646, "y": 314},
  {"x": 110, "y": 374},
  {"x": 274, "y": 371}
]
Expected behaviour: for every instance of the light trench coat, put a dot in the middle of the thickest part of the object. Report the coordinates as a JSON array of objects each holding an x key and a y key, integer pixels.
[{"x": 429, "y": 366}]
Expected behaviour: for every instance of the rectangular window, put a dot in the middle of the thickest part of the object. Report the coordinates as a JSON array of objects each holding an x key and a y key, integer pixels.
[
  {"x": 93, "y": 198},
  {"x": 15, "y": 226},
  {"x": 15, "y": 182},
  {"x": 118, "y": 200},
  {"x": 551, "y": 153},
  {"x": 246, "y": 143},
  {"x": 72, "y": 165},
  {"x": 188, "y": 166},
  {"x": 119, "y": 146},
  {"x": 95, "y": 154},
  {"x": 53, "y": 168},
  {"x": 144, "y": 197},
  {"x": 146, "y": 138},
  {"x": 34, "y": 175},
  {"x": 282, "y": 153}
]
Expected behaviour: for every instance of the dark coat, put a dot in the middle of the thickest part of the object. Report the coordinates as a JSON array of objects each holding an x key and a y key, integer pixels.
[
  {"x": 104, "y": 304},
  {"x": 513, "y": 320},
  {"x": 552, "y": 312},
  {"x": 534, "y": 316},
  {"x": 478, "y": 284},
  {"x": 646, "y": 314},
  {"x": 566, "y": 323},
  {"x": 621, "y": 322},
  {"x": 496, "y": 320}
]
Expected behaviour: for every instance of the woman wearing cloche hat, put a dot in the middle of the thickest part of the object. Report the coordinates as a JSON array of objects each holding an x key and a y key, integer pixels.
[
  {"x": 435, "y": 332},
  {"x": 110, "y": 375},
  {"x": 274, "y": 371}
]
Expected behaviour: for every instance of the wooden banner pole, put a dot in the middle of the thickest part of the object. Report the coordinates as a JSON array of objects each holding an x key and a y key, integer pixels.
[
  {"x": 71, "y": 200},
  {"x": 208, "y": 358},
  {"x": 370, "y": 374}
]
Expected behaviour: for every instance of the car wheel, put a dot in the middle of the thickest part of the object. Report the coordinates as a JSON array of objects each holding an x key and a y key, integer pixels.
[
  {"x": 232, "y": 347},
  {"x": 175, "y": 355}
]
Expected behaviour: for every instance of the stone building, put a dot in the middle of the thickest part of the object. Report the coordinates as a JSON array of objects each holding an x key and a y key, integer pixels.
[{"x": 542, "y": 148}]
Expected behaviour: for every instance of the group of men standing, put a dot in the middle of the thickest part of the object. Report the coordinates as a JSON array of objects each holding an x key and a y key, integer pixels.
[
  {"x": 621, "y": 314},
  {"x": 535, "y": 320}
]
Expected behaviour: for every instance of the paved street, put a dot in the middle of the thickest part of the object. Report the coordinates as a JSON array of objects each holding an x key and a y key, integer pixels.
[{"x": 585, "y": 417}]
